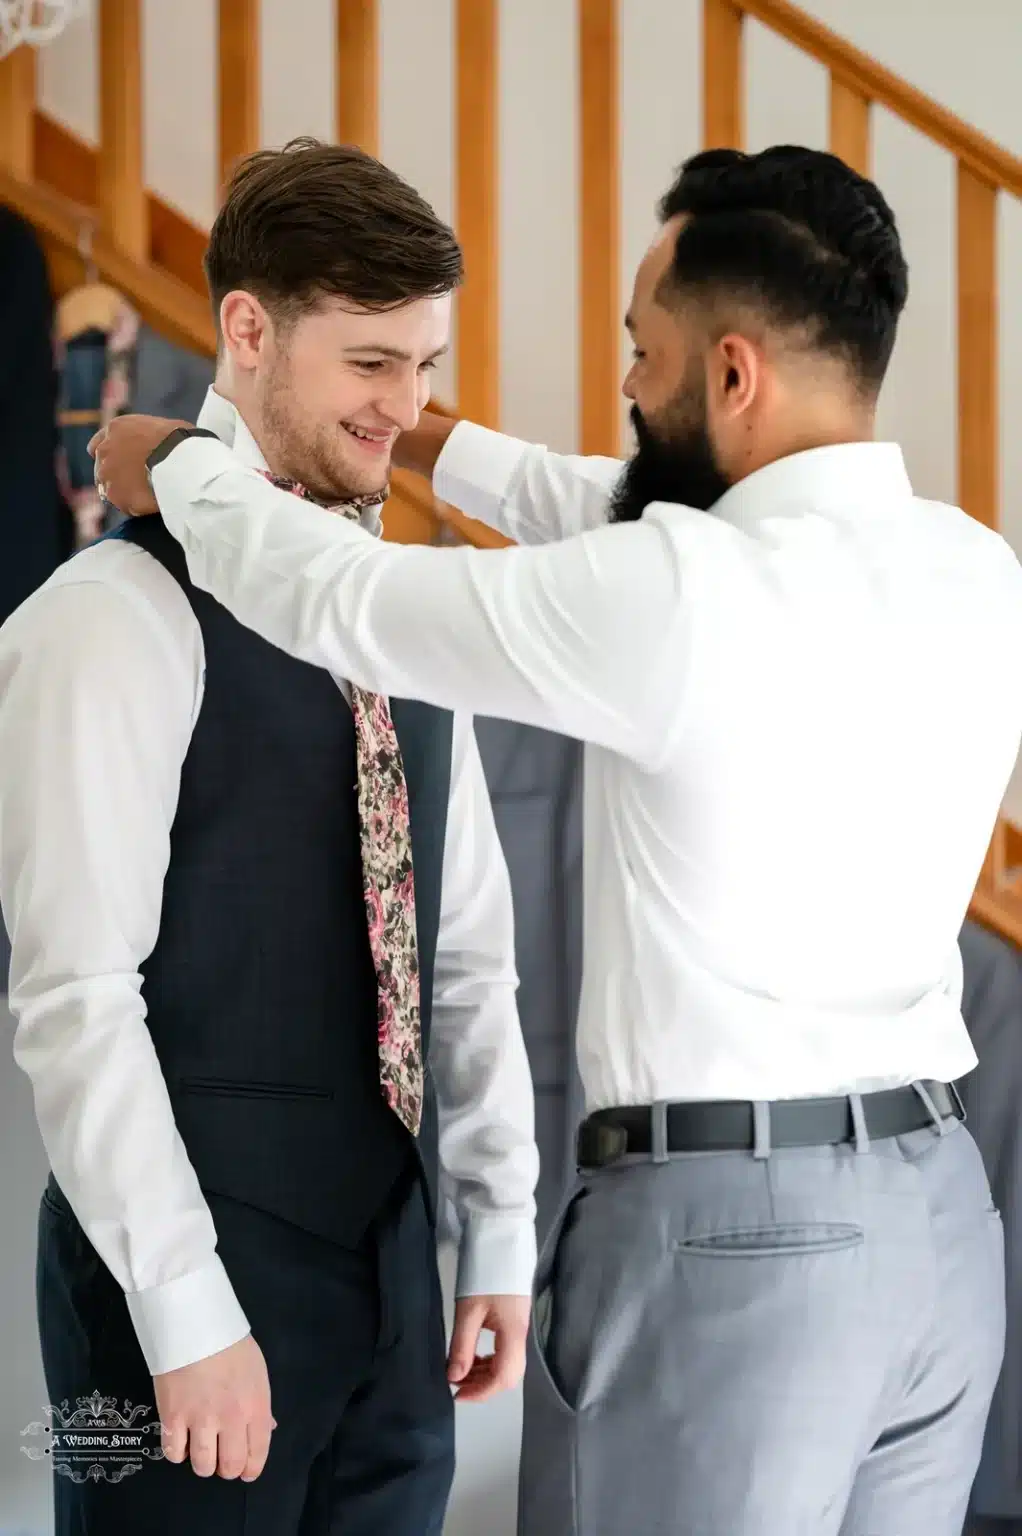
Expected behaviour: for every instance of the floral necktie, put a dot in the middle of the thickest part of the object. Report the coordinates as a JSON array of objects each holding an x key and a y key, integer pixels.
[{"x": 387, "y": 880}]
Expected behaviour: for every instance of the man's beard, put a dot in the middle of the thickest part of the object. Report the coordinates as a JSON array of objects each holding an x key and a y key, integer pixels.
[
  {"x": 672, "y": 462},
  {"x": 308, "y": 452}
]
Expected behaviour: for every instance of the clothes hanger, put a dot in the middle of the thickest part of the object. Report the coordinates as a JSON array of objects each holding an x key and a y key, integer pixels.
[{"x": 93, "y": 305}]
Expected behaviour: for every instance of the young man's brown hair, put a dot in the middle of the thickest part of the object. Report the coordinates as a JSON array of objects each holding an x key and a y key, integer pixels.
[{"x": 314, "y": 220}]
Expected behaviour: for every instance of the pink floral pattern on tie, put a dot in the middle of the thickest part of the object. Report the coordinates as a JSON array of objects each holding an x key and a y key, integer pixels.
[{"x": 388, "y": 882}]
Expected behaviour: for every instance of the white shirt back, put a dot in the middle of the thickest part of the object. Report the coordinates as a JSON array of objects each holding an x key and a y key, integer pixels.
[{"x": 773, "y": 911}]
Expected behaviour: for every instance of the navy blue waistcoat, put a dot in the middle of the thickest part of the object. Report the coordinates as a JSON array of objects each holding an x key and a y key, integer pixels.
[{"x": 261, "y": 991}]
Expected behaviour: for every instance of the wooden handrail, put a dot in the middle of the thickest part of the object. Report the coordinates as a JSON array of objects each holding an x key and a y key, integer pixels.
[
  {"x": 856, "y": 69},
  {"x": 164, "y": 301}
]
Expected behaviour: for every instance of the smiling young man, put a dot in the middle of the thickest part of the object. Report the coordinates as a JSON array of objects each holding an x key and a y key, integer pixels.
[{"x": 256, "y": 915}]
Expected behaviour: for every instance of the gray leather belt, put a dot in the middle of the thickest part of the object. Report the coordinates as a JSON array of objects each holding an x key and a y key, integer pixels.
[{"x": 729, "y": 1126}]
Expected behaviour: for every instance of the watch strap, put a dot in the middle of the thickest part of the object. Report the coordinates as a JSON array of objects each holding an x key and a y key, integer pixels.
[{"x": 170, "y": 442}]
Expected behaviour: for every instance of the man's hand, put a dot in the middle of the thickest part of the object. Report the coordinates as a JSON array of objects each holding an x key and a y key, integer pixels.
[
  {"x": 476, "y": 1376},
  {"x": 218, "y": 1410},
  {"x": 120, "y": 451},
  {"x": 419, "y": 448}
]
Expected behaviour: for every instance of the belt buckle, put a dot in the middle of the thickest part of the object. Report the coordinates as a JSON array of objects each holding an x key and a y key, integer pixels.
[{"x": 604, "y": 1144}]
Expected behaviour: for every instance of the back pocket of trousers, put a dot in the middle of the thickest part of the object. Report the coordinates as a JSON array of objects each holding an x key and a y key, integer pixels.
[{"x": 776, "y": 1241}]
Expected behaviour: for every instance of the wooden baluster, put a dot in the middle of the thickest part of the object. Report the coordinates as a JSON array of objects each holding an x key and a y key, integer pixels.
[
  {"x": 358, "y": 74},
  {"x": 17, "y": 111},
  {"x": 850, "y": 126},
  {"x": 122, "y": 198},
  {"x": 978, "y": 395},
  {"x": 240, "y": 128},
  {"x": 723, "y": 75},
  {"x": 599, "y": 228},
  {"x": 476, "y": 177},
  {"x": 978, "y": 437}
]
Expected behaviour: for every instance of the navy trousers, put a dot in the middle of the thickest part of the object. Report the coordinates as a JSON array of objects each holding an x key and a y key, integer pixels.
[{"x": 355, "y": 1347}]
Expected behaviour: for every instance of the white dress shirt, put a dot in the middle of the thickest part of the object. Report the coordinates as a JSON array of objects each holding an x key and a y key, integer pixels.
[
  {"x": 101, "y": 682},
  {"x": 802, "y": 712}
]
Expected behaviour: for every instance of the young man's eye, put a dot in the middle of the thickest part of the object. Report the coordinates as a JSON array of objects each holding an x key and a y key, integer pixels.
[
  {"x": 369, "y": 367},
  {"x": 428, "y": 366}
]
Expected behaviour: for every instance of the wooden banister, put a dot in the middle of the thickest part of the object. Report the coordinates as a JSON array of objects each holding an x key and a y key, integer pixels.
[
  {"x": 723, "y": 76},
  {"x": 978, "y": 382},
  {"x": 599, "y": 229},
  {"x": 122, "y": 200},
  {"x": 17, "y": 111},
  {"x": 238, "y": 111},
  {"x": 358, "y": 74},
  {"x": 872, "y": 81},
  {"x": 850, "y": 113},
  {"x": 478, "y": 200}
]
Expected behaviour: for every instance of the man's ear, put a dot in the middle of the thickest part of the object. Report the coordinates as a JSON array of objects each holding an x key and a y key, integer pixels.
[
  {"x": 244, "y": 324},
  {"x": 735, "y": 368}
]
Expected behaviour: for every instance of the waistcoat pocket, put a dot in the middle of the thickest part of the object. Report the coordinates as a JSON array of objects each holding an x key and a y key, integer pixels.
[{"x": 240, "y": 1088}]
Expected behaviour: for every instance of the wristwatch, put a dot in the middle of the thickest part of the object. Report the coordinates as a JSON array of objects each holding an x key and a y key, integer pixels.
[{"x": 170, "y": 442}]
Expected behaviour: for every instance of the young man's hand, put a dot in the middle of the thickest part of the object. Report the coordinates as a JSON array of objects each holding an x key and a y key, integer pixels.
[
  {"x": 120, "y": 451},
  {"x": 217, "y": 1412},
  {"x": 476, "y": 1376}
]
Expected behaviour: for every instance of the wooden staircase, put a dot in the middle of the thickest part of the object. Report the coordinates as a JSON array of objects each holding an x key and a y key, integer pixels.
[{"x": 90, "y": 205}]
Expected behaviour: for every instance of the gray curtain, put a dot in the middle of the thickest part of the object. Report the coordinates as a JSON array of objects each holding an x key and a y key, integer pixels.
[
  {"x": 992, "y": 1095},
  {"x": 168, "y": 380},
  {"x": 535, "y": 783}
]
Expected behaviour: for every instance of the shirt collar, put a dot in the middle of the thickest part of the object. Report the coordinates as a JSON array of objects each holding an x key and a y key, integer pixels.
[
  {"x": 857, "y": 480},
  {"x": 222, "y": 417}
]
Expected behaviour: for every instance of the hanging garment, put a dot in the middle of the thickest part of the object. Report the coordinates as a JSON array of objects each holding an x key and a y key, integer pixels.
[
  {"x": 31, "y": 514},
  {"x": 97, "y": 337}
]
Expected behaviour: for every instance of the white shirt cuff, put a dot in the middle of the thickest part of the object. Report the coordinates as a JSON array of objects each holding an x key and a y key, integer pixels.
[
  {"x": 476, "y": 470},
  {"x": 496, "y": 1256},
  {"x": 187, "y": 1319}
]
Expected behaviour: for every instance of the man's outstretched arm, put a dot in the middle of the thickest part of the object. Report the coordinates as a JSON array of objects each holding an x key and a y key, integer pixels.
[
  {"x": 523, "y": 490},
  {"x": 587, "y": 636}
]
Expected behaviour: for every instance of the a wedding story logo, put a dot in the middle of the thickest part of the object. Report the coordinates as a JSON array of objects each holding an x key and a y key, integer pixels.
[{"x": 95, "y": 1441}]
